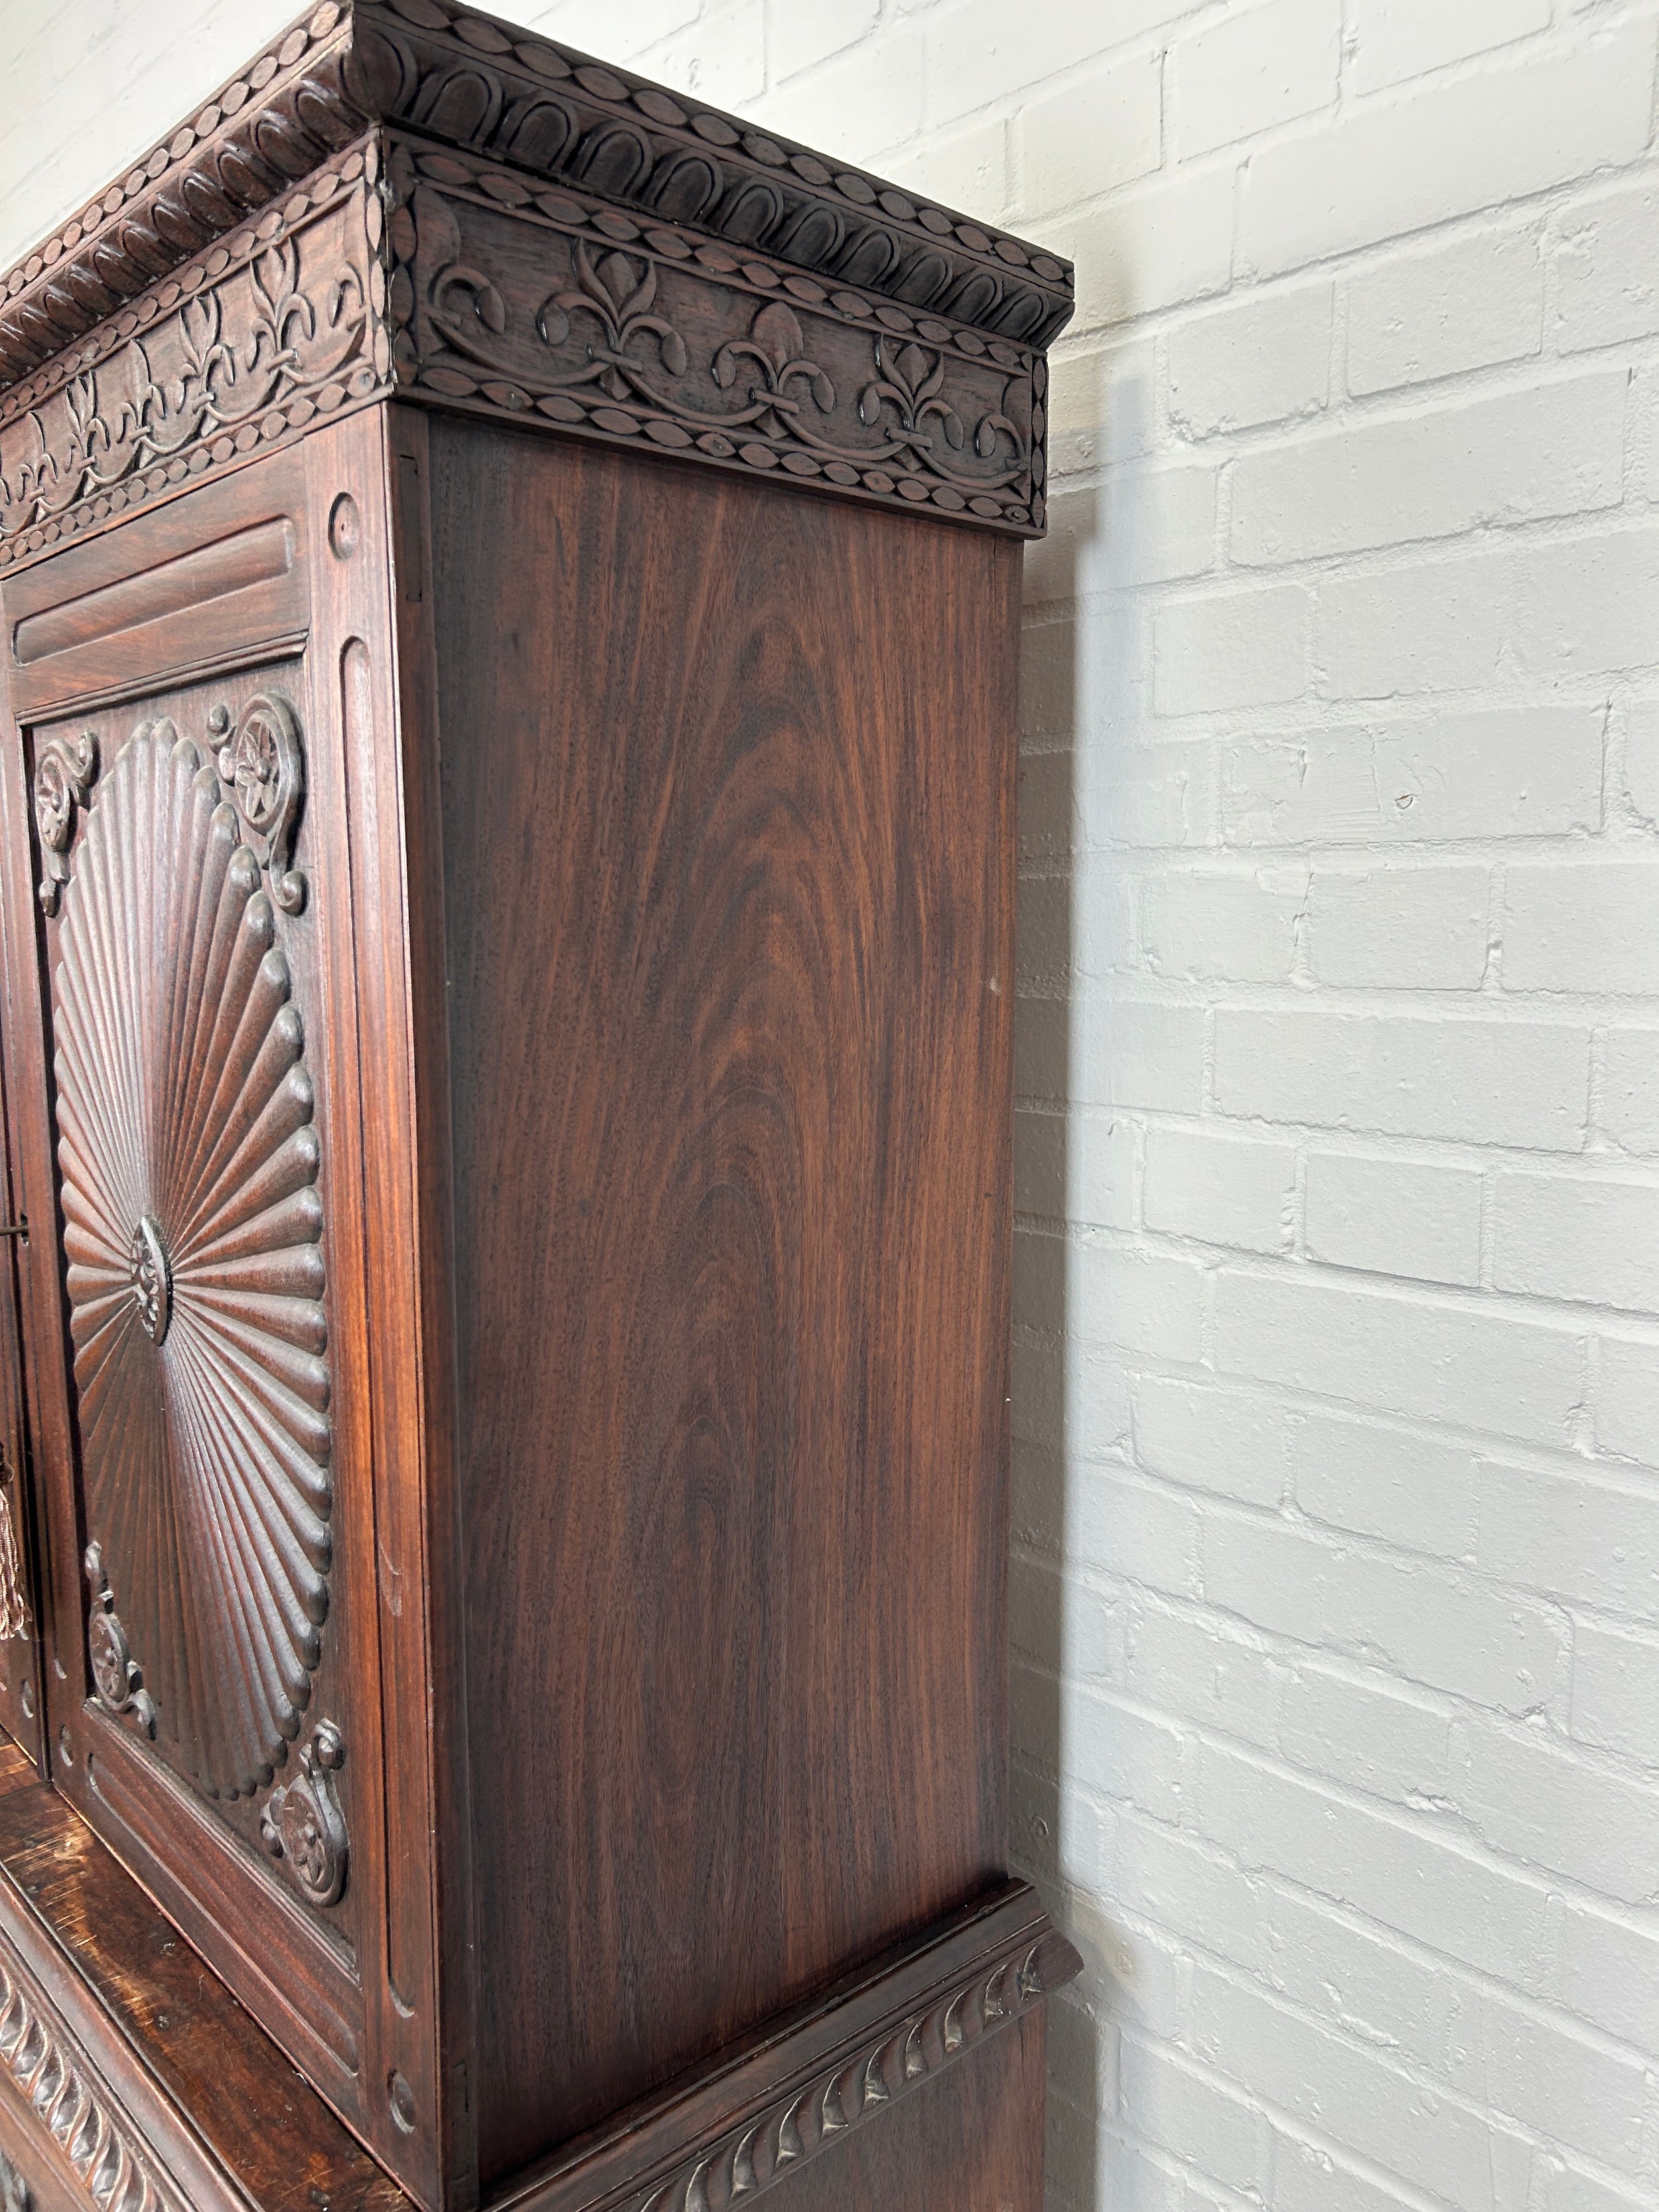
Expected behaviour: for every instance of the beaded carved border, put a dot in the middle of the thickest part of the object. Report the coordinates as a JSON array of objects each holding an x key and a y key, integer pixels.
[
  {"x": 250, "y": 342},
  {"x": 537, "y": 303}
]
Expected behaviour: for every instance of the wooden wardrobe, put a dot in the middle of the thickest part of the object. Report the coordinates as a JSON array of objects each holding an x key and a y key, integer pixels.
[{"x": 510, "y": 586}]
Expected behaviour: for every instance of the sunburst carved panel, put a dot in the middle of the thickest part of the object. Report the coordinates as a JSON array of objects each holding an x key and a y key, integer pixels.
[{"x": 189, "y": 1158}]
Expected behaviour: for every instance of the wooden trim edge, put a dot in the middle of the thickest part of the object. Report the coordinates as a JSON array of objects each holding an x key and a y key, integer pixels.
[{"x": 752, "y": 2119}]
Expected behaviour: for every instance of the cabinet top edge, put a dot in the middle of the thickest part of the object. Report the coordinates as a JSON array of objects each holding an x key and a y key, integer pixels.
[{"x": 464, "y": 79}]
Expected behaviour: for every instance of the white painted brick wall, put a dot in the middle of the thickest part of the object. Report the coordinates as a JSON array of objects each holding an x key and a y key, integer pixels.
[{"x": 1336, "y": 1578}]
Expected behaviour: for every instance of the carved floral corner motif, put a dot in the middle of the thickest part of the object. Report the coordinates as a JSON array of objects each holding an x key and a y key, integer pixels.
[
  {"x": 115, "y": 1673},
  {"x": 14, "y": 1595},
  {"x": 64, "y": 773},
  {"x": 262, "y": 761},
  {"x": 303, "y": 1825}
]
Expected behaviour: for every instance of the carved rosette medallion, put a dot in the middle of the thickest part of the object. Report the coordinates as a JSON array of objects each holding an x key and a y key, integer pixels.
[
  {"x": 152, "y": 1278},
  {"x": 194, "y": 1227},
  {"x": 302, "y": 1824}
]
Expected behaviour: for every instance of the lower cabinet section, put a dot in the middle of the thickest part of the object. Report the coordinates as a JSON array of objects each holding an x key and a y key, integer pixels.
[{"x": 131, "y": 2080}]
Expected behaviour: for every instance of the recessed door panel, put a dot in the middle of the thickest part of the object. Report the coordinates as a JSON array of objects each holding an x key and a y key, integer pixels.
[{"x": 189, "y": 1162}]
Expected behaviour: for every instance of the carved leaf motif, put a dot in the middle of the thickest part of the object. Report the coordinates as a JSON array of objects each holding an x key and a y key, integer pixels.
[
  {"x": 912, "y": 372},
  {"x": 188, "y": 1155},
  {"x": 616, "y": 274},
  {"x": 777, "y": 333}
]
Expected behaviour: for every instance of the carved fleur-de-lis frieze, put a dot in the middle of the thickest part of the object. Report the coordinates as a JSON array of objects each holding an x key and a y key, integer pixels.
[
  {"x": 728, "y": 357},
  {"x": 777, "y": 349},
  {"x": 273, "y": 329},
  {"x": 619, "y": 300}
]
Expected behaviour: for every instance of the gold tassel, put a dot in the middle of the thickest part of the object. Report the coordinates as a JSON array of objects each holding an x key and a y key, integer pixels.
[{"x": 13, "y": 1606}]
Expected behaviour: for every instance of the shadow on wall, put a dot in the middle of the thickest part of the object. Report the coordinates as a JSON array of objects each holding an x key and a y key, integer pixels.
[{"x": 1081, "y": 676}]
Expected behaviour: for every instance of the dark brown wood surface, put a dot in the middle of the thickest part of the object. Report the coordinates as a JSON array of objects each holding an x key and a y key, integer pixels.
[
  {"x": 225, "y": 2115},
  {"x": 971, "y": 2141},
  {"x": 506, "y": 917},
  {"x": 796, "y": 2090},
  {"x": 128, "y": 2073},
  {"x": 292, "y": 596},
  {"x": 726, "y": 791}
]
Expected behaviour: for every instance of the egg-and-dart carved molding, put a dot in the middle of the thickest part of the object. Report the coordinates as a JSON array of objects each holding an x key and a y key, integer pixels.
[
  {"x": 47, "y": 2068},
  {"x": 531, "y": 301},
  {"x": 189, "y": 1159},
  {"x": 464, "y": 79},
  {"x": 857, "y": 2088},
  {"x": 245, "y": 346}
]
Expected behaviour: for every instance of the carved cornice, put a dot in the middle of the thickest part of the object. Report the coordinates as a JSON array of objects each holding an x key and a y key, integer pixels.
[
  {"x": 45, "y": 2066},
  {"x": 248, "y": 342},
  {"x": 858, "y": 2085},
  {"x": 581, "y": 252},
  {"x": 534, "y": 302},
  {"x": 465, "y": 80}
]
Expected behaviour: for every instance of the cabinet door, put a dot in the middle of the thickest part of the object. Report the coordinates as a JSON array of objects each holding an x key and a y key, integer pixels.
[{"x": 198, "y": 1320}]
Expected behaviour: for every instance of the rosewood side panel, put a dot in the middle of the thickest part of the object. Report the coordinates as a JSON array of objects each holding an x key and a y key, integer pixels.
[{"x": 508, "y": 617}]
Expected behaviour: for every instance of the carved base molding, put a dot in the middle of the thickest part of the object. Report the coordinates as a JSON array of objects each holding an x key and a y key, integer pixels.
[
  {"x": 807, "y": 2083},
  {"x": 84, "y": 2065}
]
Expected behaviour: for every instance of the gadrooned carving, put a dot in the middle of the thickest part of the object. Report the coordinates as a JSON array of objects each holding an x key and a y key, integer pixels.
[
  {"x": 302, "y": 1824},
  {"x": 48, "y": 2071},
  {"x": 64, "y": 771},
  {"x": 189, "y": 1161},
  {"x": 137, "y": 350},
  {"x": 464, "y": 78}
]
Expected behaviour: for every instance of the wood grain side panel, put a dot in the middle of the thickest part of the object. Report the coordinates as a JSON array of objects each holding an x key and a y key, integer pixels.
[{"x": 726, "y": 782}]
